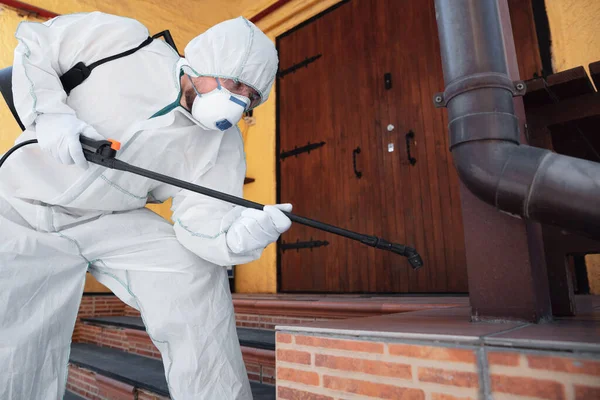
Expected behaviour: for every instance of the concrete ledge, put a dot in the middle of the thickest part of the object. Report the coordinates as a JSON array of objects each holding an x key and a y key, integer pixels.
[
  {"x": 452, "y": 325},
  {"x": 439, "y": 354}
]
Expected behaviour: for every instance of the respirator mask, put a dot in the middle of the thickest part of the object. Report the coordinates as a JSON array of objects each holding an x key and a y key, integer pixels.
[{"x": 218, "y": 109}]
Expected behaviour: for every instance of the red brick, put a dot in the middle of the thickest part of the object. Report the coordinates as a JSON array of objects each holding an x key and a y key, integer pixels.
[
  {"x": 113, "y": 389},
  {"x": 350, "y": 345},
  {"x": 283, "y": 337},
  {"x": 142, "y": 346},
  {"x": 80, "y": 383},
  {"x": 268, "y": 380},
  {"x": 586, "y": 392},
  {"x": 88, "y": 379},
  {"x": 115, "y": 343},
  {"x": 267, "y": 371},
  {"x": 84, "y": 387},
  {"x": 449, "y": 377},
  {"x": 86, "y": 395},
  {"x": 402, "y": 371},
  {"x": 143, "y": 395},
  {"x": 294, "y": 375},
  {"x": 253, "y": 368},
  {"x": 140, "y": 342},
  {"x": 254, "y": 377},
  {"x": 293, "y": 356},
  {"x": 295, "y": 394},
  {"x": 541, "y": 388},
  {"x": 372, "y": 389},
  {"x": 146, "y": 353},
  {"x": 564, "y": 364},
  {"x": 440, "y": 396},
  {"x": 110, "y": 334},
  {"x": 503, "y": 358},
  {"x": 433, "y": 353}
]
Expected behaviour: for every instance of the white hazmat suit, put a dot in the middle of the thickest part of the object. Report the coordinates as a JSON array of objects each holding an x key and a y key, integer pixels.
[{"x": 59, "y": 220}]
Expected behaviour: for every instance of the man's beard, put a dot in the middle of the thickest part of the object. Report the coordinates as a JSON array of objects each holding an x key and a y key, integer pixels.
[{"x": 190, "y": 96}]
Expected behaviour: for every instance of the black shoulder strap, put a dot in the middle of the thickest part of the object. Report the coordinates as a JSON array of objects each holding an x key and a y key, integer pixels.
[
  {"x": 6, "y": 89},
  {"x": 168, "y": 38},
  {"x": 80, "y": 72}
]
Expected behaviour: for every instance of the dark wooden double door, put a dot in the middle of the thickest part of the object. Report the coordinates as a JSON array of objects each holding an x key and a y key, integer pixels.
[{"x": 357, "y": 83}]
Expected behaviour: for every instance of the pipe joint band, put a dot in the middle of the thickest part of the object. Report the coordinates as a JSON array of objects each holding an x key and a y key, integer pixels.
[
  {"x": 478, "y": 81},
  {"x": 484, "y": 126}
]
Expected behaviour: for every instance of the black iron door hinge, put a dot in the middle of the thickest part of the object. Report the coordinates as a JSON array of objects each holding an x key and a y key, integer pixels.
[
  {"x": 296, "y": 67},
  {"x": 303, "y": 245},
  {"x": 300, "y": 150}
]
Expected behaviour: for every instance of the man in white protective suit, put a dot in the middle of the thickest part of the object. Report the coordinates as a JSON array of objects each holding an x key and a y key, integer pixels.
[{"x": 60, "y": 216}]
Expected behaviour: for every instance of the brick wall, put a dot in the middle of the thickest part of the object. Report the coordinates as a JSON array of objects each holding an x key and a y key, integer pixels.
[
  {"x": 97, "y": 306},
  {"x": 130, "y": 340},
  {"x": 131, "y": 312},
  {"x": 82, "y": 382},
  {"x": 325, "y": 368},
  {"x": 270, "y": 321},
  {"x": 259, "y": 363},
  {"x": 334, "y": 368},
  {"x": 97, "y": 387},
  {"x": 546, "y": 375}
]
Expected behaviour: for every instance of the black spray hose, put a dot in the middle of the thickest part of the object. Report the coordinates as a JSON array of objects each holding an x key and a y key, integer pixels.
[
  {"x": 15, "y": 148},
  {"x": 103, "y": 153}
]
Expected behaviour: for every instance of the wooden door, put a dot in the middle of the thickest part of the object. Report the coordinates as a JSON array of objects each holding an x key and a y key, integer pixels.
[
  {"x": 331, "y": 100},
  {"x": 362, "y": 76}
]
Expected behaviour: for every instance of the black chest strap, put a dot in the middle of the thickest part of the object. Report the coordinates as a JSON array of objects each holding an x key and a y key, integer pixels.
[{"x": 80, "y": 72}]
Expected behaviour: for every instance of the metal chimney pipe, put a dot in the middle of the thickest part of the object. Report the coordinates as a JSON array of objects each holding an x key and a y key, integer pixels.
[{"x": 525, "y": 181}]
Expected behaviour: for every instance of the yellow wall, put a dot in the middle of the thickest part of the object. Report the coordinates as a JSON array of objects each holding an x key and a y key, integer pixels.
[
  {"x": 574, "y": 28},
  {"x": 9, "y": 19}
]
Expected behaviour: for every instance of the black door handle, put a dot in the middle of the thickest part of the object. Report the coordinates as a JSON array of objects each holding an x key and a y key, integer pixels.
[
  {"x": 354, "y": 153},
  {"x": 410, "y": 135}
]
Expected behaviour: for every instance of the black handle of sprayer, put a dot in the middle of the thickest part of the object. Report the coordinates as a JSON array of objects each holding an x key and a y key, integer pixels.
[
  {"x": 106, "y": 148},
  {"x": 103, "y": 153}
]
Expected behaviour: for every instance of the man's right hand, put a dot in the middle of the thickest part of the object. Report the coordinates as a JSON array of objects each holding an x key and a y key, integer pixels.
[
  {"x": 256, "y": 229},
  {"x": 58, "y": 134}
]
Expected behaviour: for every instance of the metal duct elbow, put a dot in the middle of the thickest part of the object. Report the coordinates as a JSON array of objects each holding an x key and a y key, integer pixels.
[{"x": 484, "y": 131}]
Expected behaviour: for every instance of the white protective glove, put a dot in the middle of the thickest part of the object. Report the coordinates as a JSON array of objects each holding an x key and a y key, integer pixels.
[
  {"x": 58, "y": 134},
  {"x": 256, "y": 229}
]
